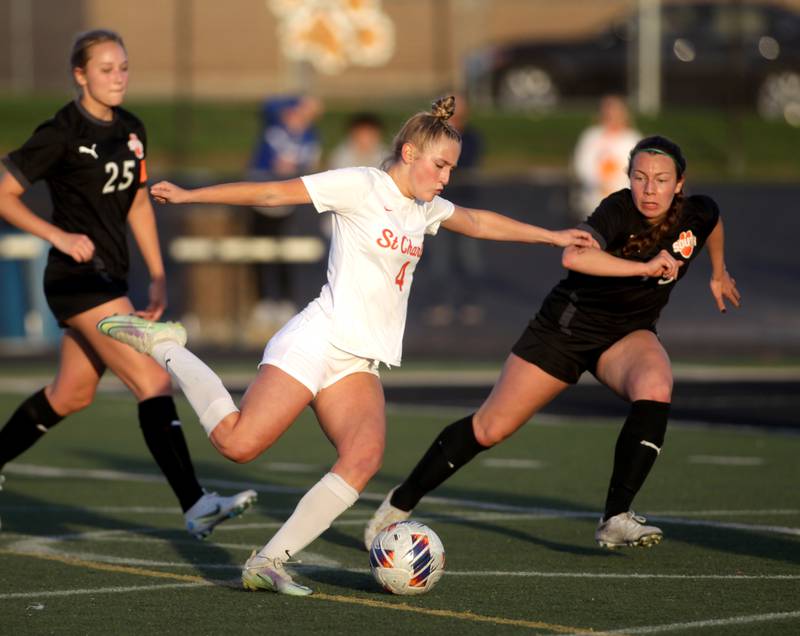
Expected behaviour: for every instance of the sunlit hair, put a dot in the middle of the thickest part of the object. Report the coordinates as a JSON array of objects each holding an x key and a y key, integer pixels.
[
  {"x": 643, "y": 243},
  {"x": 85, "y": 41},
  {"x": 423, "y": 129}
]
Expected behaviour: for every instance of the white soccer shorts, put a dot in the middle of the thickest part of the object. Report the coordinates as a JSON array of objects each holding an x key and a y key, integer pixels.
[{"x": 302, "y": 349}]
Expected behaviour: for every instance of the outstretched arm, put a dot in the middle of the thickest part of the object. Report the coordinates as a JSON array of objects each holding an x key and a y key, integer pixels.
[
  {"x": 143, "y": 226},
  {"x": 266, "y": 194},
  {"x": 483, "y": 224},
  {"x": 722, "y": 284},
  {"x": 596, "y": 262},
  {"x": 13, "y": 210}
]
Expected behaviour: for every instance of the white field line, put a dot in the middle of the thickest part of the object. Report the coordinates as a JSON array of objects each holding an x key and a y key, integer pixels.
[
  {"x": 400, "y": 377},
  {"x": 726, "y": 460},
  {"x": 101, "y": 590},
  {"x": 316, "y": 562},
  {"x": 33, "y": 470},
  {"x": 512, "y": 512},
  {"x": 716, "y": 622},
  {"x": 27, "y": 544}
]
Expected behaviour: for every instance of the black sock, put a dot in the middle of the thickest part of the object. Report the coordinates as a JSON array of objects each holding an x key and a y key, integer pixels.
[
  {"x": 32, "y": 419},
  {"x": 454, "y": 447},
  {"x": 638, "y": 446},
  {"x": 162, "y": 432}
]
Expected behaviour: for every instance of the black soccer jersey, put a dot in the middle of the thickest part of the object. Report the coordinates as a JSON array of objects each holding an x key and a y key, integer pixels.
[
  {"x": 608, "y": 306},
  {"x": 94, "y": 169}
]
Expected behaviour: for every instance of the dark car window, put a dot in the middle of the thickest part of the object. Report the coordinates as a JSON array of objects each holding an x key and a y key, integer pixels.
[
  {"x": 785, "y": 26},
  {"x": 677, "y": 21}
]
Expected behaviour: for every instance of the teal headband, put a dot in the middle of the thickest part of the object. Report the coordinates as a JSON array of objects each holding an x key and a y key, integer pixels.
[{"x": 658, "y": 151}]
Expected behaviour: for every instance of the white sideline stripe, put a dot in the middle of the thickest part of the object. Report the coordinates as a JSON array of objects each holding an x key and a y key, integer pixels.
[
  {"x": 499, "y": 462},
  {"x": 724, "y": 460},
  {"x": 33, "y": 470},
  {"x": 606, "y": 575},
  {"x": 716, "y": 622},
  {"x": 102, "y": 590},
  {"x": 318, "y": 562}
]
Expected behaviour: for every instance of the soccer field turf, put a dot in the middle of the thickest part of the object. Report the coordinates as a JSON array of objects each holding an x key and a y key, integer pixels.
[{"x": 92, "y": 540}]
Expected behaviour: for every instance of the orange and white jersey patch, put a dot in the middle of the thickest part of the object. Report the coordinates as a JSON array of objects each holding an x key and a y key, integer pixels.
[
  {"x": 685, "y": 244},
  {"x": 136, "y": 146}
]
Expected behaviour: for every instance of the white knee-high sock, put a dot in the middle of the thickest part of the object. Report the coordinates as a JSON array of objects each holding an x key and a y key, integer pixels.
[
  {"x": 201, "y": 386},
  {"x": 314, "y": 514}
]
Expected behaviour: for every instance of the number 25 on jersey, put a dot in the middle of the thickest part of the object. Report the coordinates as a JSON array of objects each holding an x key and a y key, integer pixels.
[{"x": 114, "y": 182}]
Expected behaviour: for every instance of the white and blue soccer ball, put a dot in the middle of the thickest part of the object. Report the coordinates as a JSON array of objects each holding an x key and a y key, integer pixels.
[{"x": 407, "y": 557}]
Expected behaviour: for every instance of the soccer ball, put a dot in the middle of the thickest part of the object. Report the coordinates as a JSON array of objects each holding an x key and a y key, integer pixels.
[{"x": 407, "y": 557}]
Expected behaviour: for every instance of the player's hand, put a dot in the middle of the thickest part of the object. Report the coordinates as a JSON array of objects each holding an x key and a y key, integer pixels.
[
  {"x": 723, "y": 288},
  {"x": 663, "y": 265},
  {"x": 78, "y": 246},
  {"x": 158, "y": 300},
  {"x": 578, "y": 238},
  {"x": 166, "y": 192}
]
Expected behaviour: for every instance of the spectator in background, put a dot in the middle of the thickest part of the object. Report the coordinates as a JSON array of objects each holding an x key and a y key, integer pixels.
[
  {"x": 363, "y": 144},
  {"x": 601, "y": 156},
  {"x": 288, "y": 146},
  {"x": 456, "y": 263}
]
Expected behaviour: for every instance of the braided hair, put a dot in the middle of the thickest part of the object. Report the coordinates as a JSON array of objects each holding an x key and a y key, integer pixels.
[
  {"x": 424, "y": 128},
  {"x": 644, "y": 242}
]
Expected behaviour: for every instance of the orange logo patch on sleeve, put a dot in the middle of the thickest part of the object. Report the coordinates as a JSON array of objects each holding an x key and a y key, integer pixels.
[
  {"x": 685, "y": 244},
  {"x": 135, "y": 145}
]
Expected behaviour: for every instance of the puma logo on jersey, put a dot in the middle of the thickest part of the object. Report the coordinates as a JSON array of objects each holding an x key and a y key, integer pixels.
[
  {"x": 88, "y": 151},
  {"x": 136, "y": 146},
  {"x": 685, "y": 244}
]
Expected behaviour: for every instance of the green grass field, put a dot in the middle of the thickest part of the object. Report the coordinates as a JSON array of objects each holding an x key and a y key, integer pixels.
[
  {"x": 92, "y": 540},
  {"x": 207, "y": 139}
]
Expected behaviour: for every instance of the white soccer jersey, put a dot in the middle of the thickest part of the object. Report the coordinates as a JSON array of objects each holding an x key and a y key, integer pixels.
[{"x": 375, "y": 246}]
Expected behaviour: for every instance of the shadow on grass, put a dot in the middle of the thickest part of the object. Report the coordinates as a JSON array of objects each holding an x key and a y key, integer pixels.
[{"x": 711, "y": 536}]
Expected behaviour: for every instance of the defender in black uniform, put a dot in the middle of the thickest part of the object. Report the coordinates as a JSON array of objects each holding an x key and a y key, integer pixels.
[
  {"x": 602, "y": 319},
  {"x": 92, "y": 156}
]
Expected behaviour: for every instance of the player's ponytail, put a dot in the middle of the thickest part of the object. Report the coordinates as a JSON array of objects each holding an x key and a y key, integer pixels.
[{"x": 424, "y": 128}]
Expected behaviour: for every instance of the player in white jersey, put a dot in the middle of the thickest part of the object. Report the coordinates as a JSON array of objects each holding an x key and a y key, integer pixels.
[{"x": 328, "y": 355}]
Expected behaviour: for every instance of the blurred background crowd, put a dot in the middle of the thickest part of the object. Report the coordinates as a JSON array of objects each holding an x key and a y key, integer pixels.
[{"x": 551, "y": 96}]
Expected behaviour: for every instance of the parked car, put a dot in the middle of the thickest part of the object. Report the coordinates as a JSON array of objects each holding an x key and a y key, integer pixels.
[{"x": 737, "y": 53}]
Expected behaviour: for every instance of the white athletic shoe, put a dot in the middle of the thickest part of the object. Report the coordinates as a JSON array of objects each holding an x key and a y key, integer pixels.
[
  {"x": 140, "y": 333},
  {"x": 627, "y": 529},
  {"x": 385, "y": 515},
  {"x": 211, "y": 510},
  {"x": 261, "y": 573}
]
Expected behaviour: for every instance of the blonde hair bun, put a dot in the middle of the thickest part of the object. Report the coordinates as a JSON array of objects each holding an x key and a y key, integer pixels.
[{"x": 444, "y": 107}]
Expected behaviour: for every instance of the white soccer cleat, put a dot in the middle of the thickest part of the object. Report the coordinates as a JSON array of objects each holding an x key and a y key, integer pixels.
[
  {"x": 262, "y": 573},
  {"x": 140, "y": 333},
  {"x": 627, "y": 529},
  {"x": 211, "y": 510},
  {"x": 385, "y": 515}
]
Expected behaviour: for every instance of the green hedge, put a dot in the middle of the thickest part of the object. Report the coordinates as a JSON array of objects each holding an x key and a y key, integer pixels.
[{"x": 217, "y": 138}]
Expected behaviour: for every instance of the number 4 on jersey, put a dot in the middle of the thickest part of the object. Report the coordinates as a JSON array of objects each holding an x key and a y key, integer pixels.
[{"x": 401, "y": 276}]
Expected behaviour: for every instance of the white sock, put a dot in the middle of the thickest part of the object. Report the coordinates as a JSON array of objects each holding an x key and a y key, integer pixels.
[
  {"x": 201, "y": 386},
  {"x": 314, "y": 514}
]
